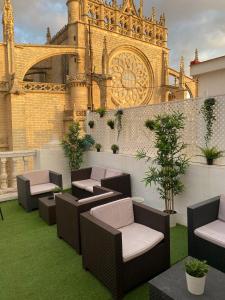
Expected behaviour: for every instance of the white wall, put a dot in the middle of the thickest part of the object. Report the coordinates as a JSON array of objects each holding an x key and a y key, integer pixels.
[
  {"x": 52, "y": 158},
  {"x": 201, "y": 181},
  {"x": 212, "y": 83}
]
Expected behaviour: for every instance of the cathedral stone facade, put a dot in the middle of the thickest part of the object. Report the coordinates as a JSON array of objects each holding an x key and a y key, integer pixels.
[{"x": 108, "y": 55}]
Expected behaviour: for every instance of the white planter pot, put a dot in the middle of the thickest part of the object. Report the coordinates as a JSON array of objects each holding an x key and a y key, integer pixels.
[
  {"x": 196, "y": 286},
  {"x": 173, "y": 220}
]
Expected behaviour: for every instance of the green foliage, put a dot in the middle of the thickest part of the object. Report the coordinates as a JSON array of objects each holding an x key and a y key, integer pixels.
[
  {"x": 118, "y": 121},
  {"x": 91, "y": 124},
  {"x": 211, "y": 153},
  {"x": 170, "y": 161},
  {"x": 74, "y": 146},
  {"x": 208, "y": 112},
  {"x": 111, "y": 124},
  {"x": 101, "y": 111},
  {"x": 98, "y": 147},
  {"x": 115, "y": 148},
  {"x": 196, "y": 268}
]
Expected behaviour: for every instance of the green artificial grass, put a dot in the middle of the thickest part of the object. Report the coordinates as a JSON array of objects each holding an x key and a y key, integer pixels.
[{"x": 36, "y": 265}]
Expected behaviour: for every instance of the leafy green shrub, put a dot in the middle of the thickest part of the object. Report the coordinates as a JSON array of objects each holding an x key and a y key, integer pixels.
[
  {"x": 111, "y": 124},
  {"x": 115, "y": 148},
  {"x": 98, "y": 147},
  {"x": 196, "y": 268},
  {"x": 74, "y": 145},
  {"x": 91, "y": 124},
  {"x": 101, "y": 111},
  {"x": 170, "y": 161},
  {"x": 208, "y": 112}
]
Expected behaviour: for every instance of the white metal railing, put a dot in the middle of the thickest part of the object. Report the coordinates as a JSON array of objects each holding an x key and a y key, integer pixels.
[{"x": 11, "y": 164}]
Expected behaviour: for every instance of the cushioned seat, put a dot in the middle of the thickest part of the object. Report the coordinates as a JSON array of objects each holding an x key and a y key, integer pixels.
[
  {"x": 213, "y": 232},
  {"x": 138, "y": 239},
  {"x": 86, "y": 184},
  {"x": 42, "y": 188}
]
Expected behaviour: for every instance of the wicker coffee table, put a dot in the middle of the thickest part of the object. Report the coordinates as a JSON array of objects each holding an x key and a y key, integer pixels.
[
  {"x": 47, "y": 209},
  {"x": 172, "y": 285}
]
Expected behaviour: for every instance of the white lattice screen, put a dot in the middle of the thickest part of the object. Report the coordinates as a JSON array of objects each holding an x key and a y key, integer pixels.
[{"x": 135, "y": 136}]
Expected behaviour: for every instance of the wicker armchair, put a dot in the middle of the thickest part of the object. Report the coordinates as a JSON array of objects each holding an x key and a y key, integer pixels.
[
  {"x": 36, "y": 184},
  {"x": 69, "y": 208},
  {"x": 206, "y": 233},
  {"x": 106, "y": 255},
  {"x": 83, "y": 181}
]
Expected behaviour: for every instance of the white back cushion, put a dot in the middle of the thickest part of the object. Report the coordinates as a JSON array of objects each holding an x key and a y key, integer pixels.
[
  {"x": 37, "y": 177},
  {"x": 97, "y": 197},
  {"x": 112, "y": 173},
  {"x": 116, "y": 214},
  {"x": 221, "y": 215},
  {"x": 97, "y": 173}
]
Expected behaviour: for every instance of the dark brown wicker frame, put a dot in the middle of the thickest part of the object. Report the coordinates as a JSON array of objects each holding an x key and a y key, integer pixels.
[
  {"x": 68, "y": 212},
  {"x": 25, "y": 198},
  {"x": 200, "y": 215},
  {"x": 120, "y": 183},
  {"x": 102, "y": 251}
]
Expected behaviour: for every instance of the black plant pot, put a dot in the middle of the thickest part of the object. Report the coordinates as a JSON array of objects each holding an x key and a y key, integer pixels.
[
  {"x": 114, "y": 151},
  {"x": 91, "y": 126},
  {"x": 98, "y": 150},
  {"x": 210, "y": 161},
  {"x": 112, "y": 127}
]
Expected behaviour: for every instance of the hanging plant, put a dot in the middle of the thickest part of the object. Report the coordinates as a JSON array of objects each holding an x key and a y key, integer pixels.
[
  {"x": 170, "y": 162},
  {"x": 208, "y": 112},
  {"x": 101, "y": 111},
  {"x": 91, "y": 124},
  {"x": 111, "y": 124},
  {"x": 118, "y": 121}
]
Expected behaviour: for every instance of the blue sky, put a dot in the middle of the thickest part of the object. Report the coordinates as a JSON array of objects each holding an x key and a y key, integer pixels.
[{"x": 191, "y": 23}]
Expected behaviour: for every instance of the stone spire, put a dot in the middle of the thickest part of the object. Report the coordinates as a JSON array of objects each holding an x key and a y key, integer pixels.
[
  {"x": 114, "y": 3},
  {"x": 105, "y": 58},
  {"x": 182, "y": 73},
  {"x": 141, "y": 8},
  {"x": 48, "y": 36},
  {"x": 128, "y": 5},
  {"x": 8, "y": 22},
  {"x": 196, "y": 60},
  {"x": 153, "y": 17}
]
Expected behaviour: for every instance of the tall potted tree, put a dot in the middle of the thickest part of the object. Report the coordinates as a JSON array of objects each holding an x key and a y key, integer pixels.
[
  {"x": 75, "y": 145},
  {"x": 170, "y": 162}
]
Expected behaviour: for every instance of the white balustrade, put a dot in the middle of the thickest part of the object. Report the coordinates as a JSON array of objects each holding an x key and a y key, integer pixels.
[{"x": 11, "y": 164}]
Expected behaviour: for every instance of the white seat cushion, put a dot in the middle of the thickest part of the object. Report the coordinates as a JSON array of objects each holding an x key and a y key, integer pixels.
[
  {"x": 98, "y": 197},
  {"x": 213, "y": 232},
  {"x": 116, "y": 214},
  {"x": 37, "y": 177},
  {"x": 112, "y": 173},
  {"x": 42, "y": 188},
  {"x": 221, "y": 215},
  {"x": 97, "y": 173},
  {"x": 137, "y": 239},
  {"x": 86, "y": 184}
]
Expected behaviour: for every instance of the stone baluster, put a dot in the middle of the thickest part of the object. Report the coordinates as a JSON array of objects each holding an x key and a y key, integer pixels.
[
  {"x": 14, "y": 171},
  {"x": 4, "y": 176},
  {"x": 26, "y": 163}
]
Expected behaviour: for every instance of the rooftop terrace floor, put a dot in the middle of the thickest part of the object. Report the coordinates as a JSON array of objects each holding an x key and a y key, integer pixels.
[{"x": 36, "y": 265}]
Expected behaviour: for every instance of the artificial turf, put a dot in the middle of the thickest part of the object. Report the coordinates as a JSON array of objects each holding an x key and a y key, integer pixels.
[{"x": 36, "y": 265}]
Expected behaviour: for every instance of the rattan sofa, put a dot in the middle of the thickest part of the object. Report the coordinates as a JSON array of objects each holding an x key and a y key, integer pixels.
[
  {"x": 206, "y": 231},
  {"x": 69, "y": 208},
  {"x": 36, "y": 184},
  {"x": 116, "y": 256},
  {"x": 83, "y": 181}
]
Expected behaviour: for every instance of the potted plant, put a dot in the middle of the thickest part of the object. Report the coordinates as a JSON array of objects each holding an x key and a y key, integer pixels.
[
  {"x": 208, "y": 112},
  {"x": 111, "y": 124},
  {"x": 196, "y": 272},
  {"x": 115, "y": 148},
  {"x": 211, "y": 154},
  {"x": 101, "y": 111},
  {"x": 118, "y": 121},
  {"x": 91, "y": 124},
  {"x": 98, "y": 147},
  {"x": 170, "y": 162},
  {"x": 74, "y": 145}
]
